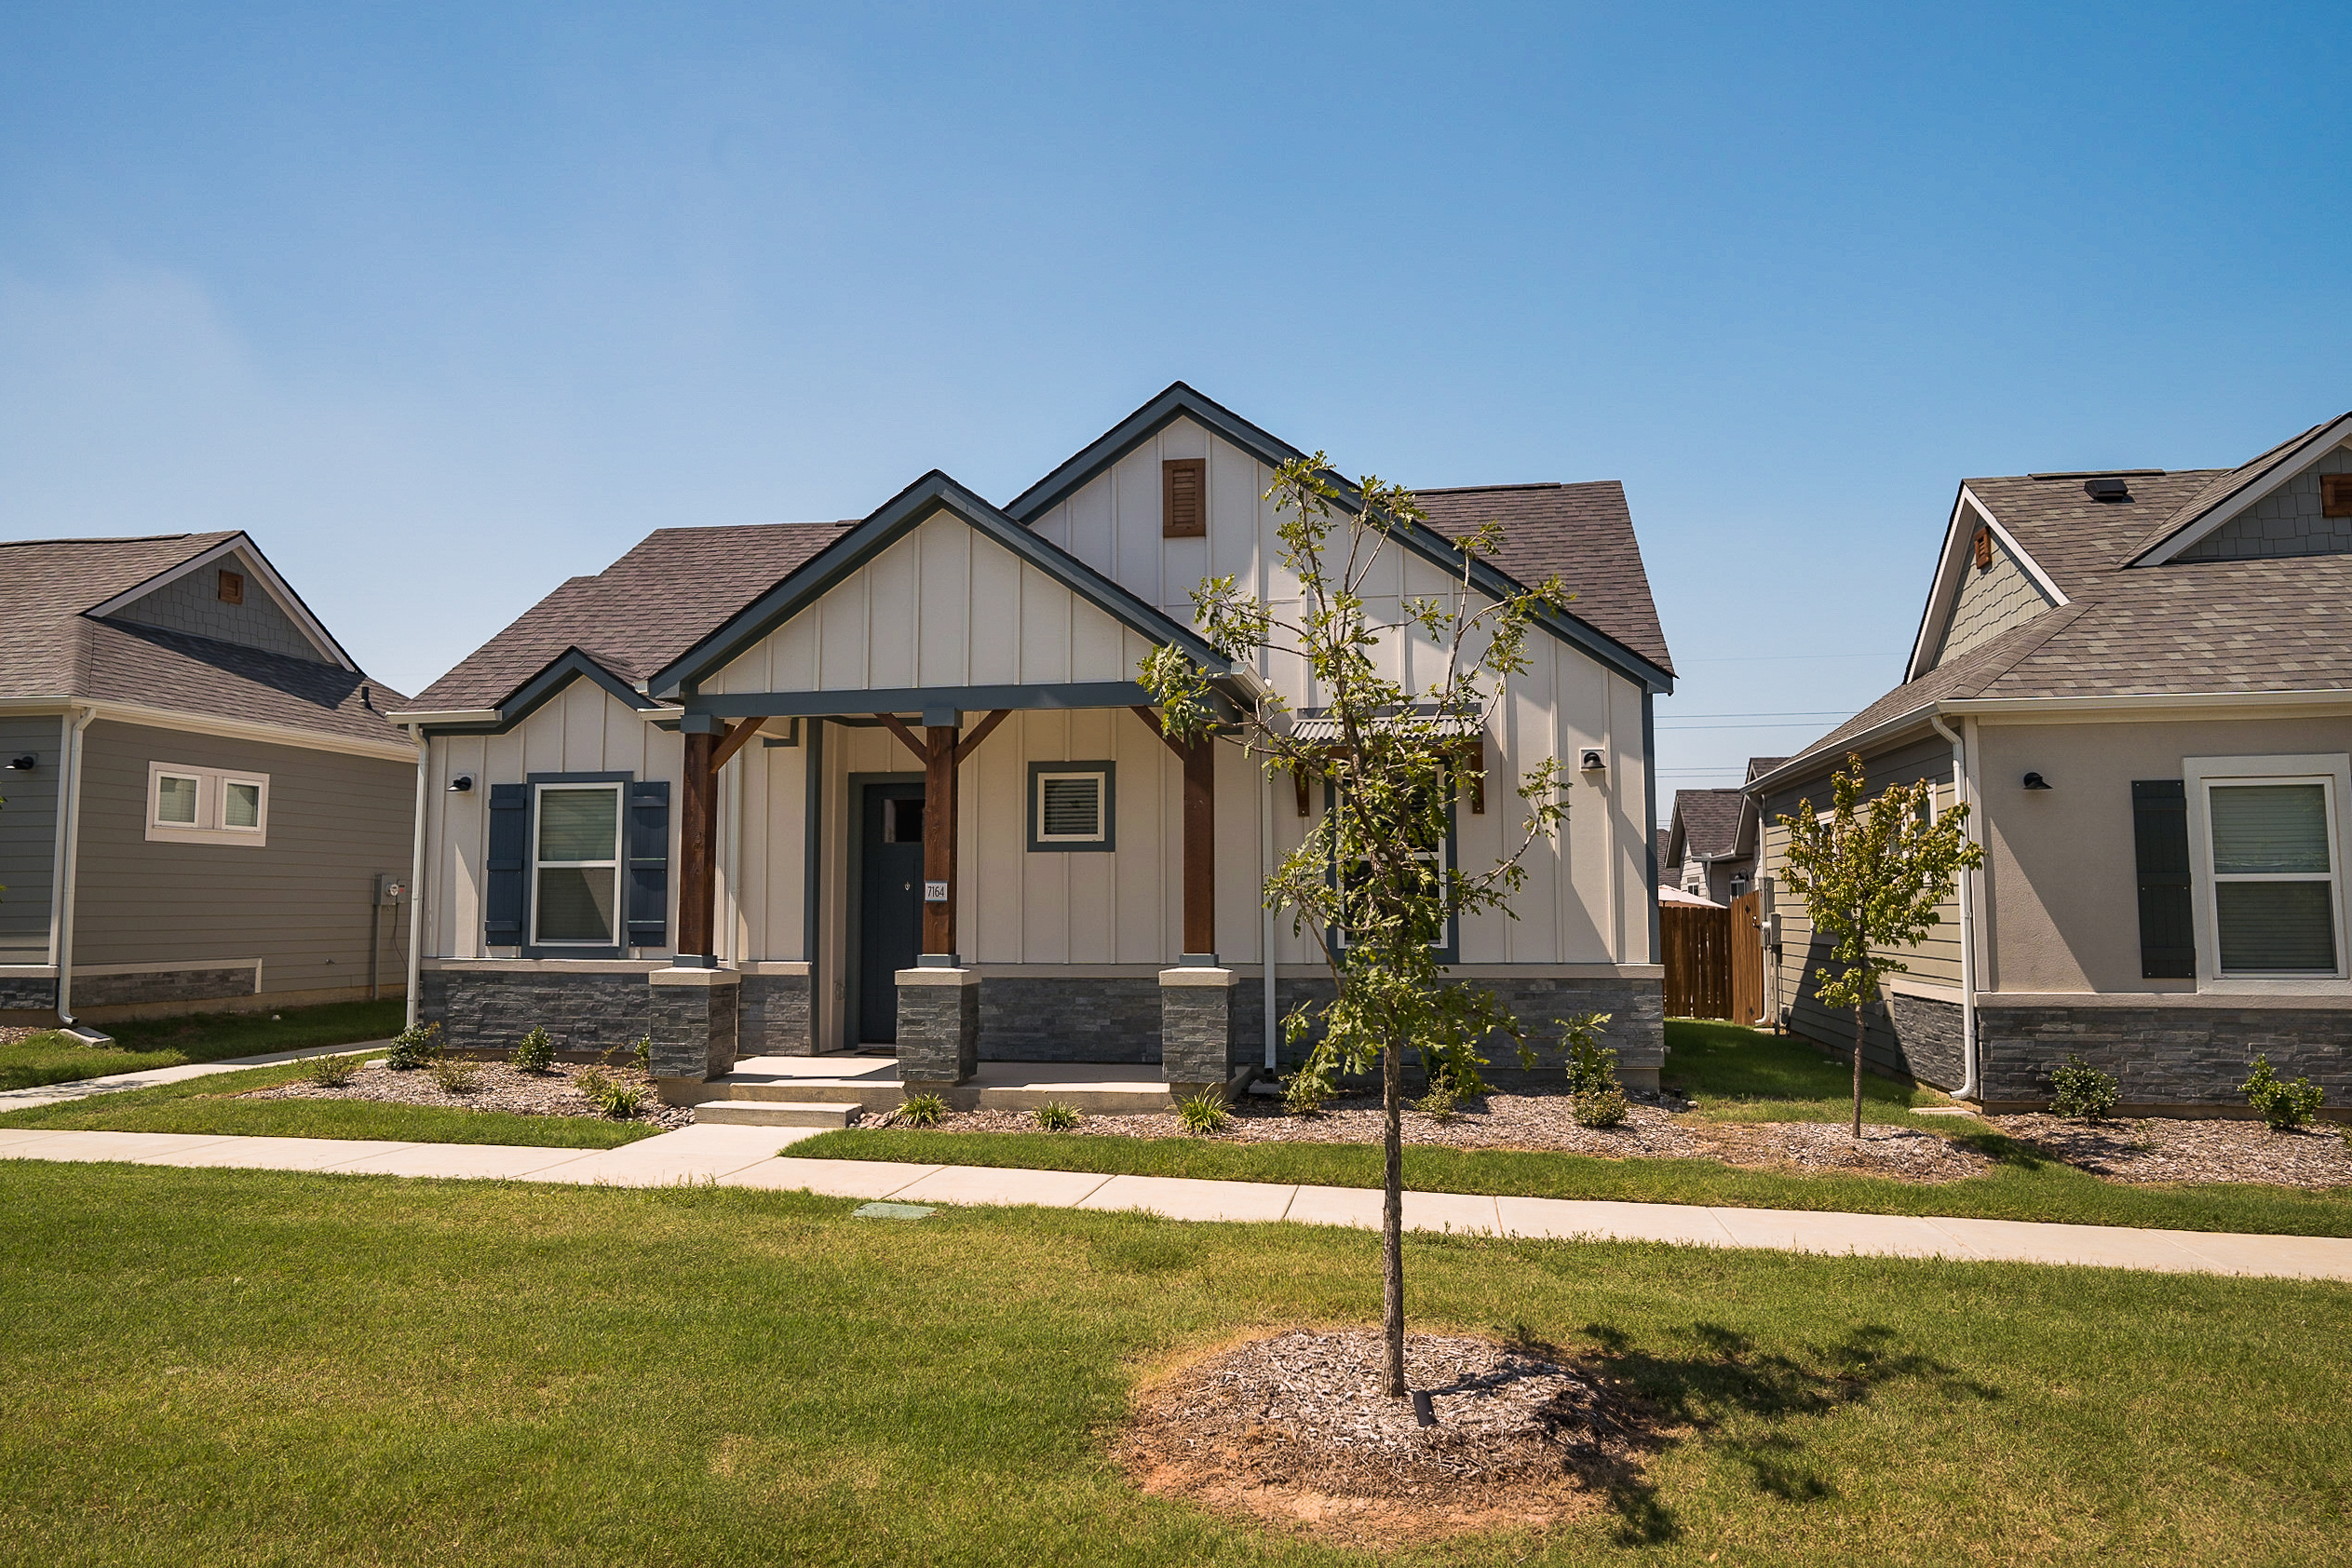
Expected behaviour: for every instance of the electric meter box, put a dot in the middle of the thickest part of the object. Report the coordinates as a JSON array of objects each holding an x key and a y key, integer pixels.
[{"x": 391, "y": 887}]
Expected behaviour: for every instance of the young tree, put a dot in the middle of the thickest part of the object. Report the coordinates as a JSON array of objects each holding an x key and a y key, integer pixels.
[
  {"x": 1370, "y": 882},
  {"x": 1870, "y": 879}
]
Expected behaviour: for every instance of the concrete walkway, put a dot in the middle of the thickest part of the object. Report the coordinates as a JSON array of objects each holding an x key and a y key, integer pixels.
[
  {"x": 747, "y": 1156},
  {"x": 81, "y": 1089}
]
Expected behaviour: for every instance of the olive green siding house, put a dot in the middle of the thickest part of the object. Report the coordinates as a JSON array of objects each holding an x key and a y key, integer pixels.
[
  {"x": 2141, "y": 682},
  {"x": 204, "y": 808}
]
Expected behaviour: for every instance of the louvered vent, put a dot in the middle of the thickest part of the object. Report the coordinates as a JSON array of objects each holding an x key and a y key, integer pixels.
[
  {"x": 1069, "y": 808},
  {"x": 1183, "y": 483}
]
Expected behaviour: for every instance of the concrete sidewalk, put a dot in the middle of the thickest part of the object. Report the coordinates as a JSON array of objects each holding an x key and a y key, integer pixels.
[
  {"x": 747, "y": 1156},
  {"x": 82, "y": 1088}
]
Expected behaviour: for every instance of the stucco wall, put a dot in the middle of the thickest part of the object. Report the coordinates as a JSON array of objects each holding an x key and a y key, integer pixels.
[{"x": 2061, "y": 878}]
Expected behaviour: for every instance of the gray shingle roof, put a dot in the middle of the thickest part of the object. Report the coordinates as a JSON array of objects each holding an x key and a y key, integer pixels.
[
  {"x": 49, "y": 648},
  {"x": 674, "y": 588},
  {"x": 1582, "y": 533},
  {"x": 2187, "y": 626},
  {"x": 1708, "y": 819}
]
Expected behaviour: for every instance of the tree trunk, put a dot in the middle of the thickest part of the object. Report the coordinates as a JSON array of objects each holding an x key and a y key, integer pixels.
[
  {"x": 1392, "y": 1220},
  {"x": 1858, "y": 1071}
]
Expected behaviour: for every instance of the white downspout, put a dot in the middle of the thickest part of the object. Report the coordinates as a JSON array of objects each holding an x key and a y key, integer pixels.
[
  {"x": 1969, "y": 1087},
  {"x": 416, "y": 872},
  {"x": 1265, "y": 921},
  {"x": 69, "y": 827}
]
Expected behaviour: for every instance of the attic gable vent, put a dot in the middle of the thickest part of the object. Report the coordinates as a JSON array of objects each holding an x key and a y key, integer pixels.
[
  {"x": 2335, "y": 495},
  {"x": 1183, "y": 509},
  {"x": 2108, "y": 489},
  {"x": 231, "y": 588},
  {"x": 1984, "y": 550}
]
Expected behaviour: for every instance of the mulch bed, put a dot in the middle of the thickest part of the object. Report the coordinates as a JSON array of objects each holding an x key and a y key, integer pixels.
[
  {"x": 497, "y": 1088},
  {"x": 2166, "y": 1149},
  {"x": 1296, "y": 1431},
  {"x": 10, "y": 1036}
]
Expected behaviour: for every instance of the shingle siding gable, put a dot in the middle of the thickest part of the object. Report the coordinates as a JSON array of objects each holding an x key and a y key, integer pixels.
[
  {"x": 2286, "y": 523},
  {"x": 1989, "y": 602}
]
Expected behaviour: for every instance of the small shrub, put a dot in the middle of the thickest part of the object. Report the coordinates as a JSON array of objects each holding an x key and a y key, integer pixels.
[
  {"x": 2283, "y": 1104},
  {"x": 592, "y": 1083},
  {"x": 922, "y": 1110},
  {"x": 620, "y": 1101},
  {"x": 534, "y": 1052},
  {"x": 1439, "y": 1103},
  {"x": 333, "y": 1072},
  {"x": 1304, "y": 1093},
  {"x": 2080, "y": 1090},
  {"x": 419, "y": 1046},
  {"x": 640, "y": 1054},
  {"x": 1600, "y": 1107},
  {"x": 1205, "y": 1113},
  {"x": 455, "y": 1075},
  {"x": 1054, "y": 1117}
]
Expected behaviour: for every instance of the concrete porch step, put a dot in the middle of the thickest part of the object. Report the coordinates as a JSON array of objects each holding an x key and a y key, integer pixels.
[
  {"x": 775, "y": 1112},
  {"x": 1098, "y": 1098}
]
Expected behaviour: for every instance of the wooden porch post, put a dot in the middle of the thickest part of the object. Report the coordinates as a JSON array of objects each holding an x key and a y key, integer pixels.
[
  {"x": 939, "y": 836},
  {"x": 698, "y": 848},
  {"x": 1200, "y": 846}
]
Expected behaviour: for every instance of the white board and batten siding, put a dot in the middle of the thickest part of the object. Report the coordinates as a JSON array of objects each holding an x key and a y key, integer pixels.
[{"x": 945, "y": 606}]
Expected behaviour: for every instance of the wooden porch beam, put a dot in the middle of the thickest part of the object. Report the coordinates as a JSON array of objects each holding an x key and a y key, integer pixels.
[
  {"x": 899, "y": 727},
  {"x": 698, "y": 848},
  {"x": 735, "y": 742},
  {"x": 980, "y": 732},
  {"x": 1200, "y": 832},
  {"x": 1151, "y": 722}
]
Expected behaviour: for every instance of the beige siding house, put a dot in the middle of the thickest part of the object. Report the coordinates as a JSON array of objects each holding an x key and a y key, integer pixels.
[
  {"x": 2141, "y": 682},
  {"x": 883, "y": 785},
  {"x": 204, "y": 807}
]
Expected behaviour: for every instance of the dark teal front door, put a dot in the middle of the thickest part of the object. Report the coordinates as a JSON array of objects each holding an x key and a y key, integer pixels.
[{"x": 889, "y": 904}]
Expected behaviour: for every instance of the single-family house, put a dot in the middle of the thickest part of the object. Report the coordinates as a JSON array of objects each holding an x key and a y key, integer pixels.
[
  {"x": 205, "y": 805},
  {"x": 2141, "y": 683},
  {"x": 1712, "y": 841},
  {"x": 892, "y": 785}
]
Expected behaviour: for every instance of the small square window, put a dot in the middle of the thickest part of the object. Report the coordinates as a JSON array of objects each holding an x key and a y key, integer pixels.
[
  {"x": 241, "y": 804},
  {"x": 231, "y": 588},
  {"x": 1070, "y": 805},
  {"x": 902, "y": 821},
  {"x": 176, "y": 799},
  {"x": 205, "y": 805}
]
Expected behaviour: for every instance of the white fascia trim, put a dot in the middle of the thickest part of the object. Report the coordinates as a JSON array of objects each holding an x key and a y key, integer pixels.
[
  {"x": 206, "y": 724},
  {"x": 1937, "y": 616},
  {"x": 284, "y": 596},
  {"x": 2232, "y": 505},
  {"x": 2027, "y": 709},
  {"x": 447, "y": 716}
]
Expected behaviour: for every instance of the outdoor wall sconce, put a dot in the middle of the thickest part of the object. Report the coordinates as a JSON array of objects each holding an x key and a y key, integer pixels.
[
  {"x": 25, "y": 764},
  {"x": 1593, "y": 763},
  {"x": 2036, "y": 781},
  {"x": 461, "y": 784}
]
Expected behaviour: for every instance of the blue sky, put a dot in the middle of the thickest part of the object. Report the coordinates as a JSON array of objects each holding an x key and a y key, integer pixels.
[{"x": 446, "y": 305}]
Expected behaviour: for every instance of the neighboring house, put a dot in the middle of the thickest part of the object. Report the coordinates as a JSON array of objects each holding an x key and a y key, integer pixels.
[
  {"x": 202, "y": 790},
  {"x": 809, "y": 787},
  {"x": 1669, "y": 872},
  {"x": 2141, "y": 684},
  {"x": 1713, "y": 839}
]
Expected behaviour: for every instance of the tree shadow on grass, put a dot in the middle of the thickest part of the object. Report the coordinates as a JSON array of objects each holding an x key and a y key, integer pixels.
[{"x": 1727, "y": 1378}]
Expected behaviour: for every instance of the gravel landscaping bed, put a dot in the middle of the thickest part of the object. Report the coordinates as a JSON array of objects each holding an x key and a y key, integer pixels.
[
  {"x": 10, "y": 1036},
  {"x": 2170, "y": 1149},
  {"x": 1295, "y": 1430},
  {"x": 498, "y": 1087}
]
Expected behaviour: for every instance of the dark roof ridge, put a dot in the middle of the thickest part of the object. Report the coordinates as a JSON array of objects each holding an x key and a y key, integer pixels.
[
  {"x": 119, "y": 538},
  {"x": 1530, "y": 485}
]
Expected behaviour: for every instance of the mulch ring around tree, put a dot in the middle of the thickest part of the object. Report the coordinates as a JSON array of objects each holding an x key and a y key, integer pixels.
[
  {"x": 1294, "y": 1431},
  {"x": 495, "y": 1087}
]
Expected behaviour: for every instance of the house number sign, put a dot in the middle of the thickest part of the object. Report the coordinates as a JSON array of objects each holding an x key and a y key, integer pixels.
[{"x": 934, "y": 892}]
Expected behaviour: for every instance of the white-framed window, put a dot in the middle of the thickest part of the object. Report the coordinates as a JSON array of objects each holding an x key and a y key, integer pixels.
[
  {"x": 1071, "y": 806},
  {"x": 575, "y": 865},
  {"x": 2266, "y": 864},
  {"x": 190, "y": 805}
]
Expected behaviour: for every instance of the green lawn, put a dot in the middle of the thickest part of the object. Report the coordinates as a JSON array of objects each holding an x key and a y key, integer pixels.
[
  {"x": 205, "y": 1105},
  {"x": 2022, "y": 1186},
  {"x": 1741, "y": 1074},
  {"x": 141, "y": 1043},
  {"x": 260, "y": 1368}
]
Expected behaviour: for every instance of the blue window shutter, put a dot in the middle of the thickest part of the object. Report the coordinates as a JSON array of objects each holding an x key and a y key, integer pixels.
[
  {"x": 649, "y": 864},
  {"x": 506, "y": 870}
]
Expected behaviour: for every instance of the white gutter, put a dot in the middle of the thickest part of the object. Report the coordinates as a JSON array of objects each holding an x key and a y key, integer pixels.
[
  {"x": 1266, "y": 923},
  {"x": 1970, "y": 1089},
  {"x": 69, "y": 828},
  {"x": 416, "y": 874}
]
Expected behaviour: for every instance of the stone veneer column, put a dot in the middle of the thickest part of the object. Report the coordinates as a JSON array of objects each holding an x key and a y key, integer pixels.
[
  {"x": 693, "y": 1016},
  {"x": 939, "y": 1024},
  {"x": 1195, "y": 1024}
]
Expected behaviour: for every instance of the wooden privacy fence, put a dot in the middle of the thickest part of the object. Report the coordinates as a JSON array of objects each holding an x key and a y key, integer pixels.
[
  {"x": 1697, "y": 943},
  {"x": 1747, "y": 958}
]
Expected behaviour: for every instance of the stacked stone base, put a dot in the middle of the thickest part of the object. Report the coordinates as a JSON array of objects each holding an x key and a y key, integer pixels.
[{"x": 2163, "y": 1058}]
